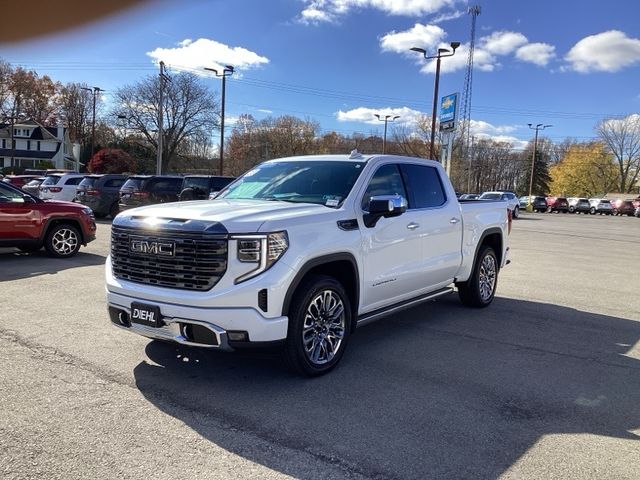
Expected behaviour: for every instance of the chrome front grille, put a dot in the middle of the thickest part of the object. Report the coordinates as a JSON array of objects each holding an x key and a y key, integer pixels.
[{"x": 198, "y": 260}]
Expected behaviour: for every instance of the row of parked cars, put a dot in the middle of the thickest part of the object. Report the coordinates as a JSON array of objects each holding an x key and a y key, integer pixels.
[
  {"x": 593, "y": 206},
  {"x": 108, "y": 194}
]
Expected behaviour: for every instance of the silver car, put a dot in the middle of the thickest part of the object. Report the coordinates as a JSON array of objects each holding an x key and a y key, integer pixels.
[
  {"x": 513, "y": 204},
  {"x": 601, "y": 206}
]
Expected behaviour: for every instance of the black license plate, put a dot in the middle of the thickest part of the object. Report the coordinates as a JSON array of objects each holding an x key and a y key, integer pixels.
[{"x": 144, "y": 314}]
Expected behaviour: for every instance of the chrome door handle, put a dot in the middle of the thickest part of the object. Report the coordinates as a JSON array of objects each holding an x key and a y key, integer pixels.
[
  {"x": 413, "y": 226},
  {"x": 454, "y": 220}
]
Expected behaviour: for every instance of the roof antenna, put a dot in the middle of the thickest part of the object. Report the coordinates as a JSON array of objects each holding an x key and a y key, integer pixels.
[{"x": 355, "y": 154}]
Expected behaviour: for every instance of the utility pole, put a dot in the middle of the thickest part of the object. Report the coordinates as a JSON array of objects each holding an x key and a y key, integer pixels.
[
  {"x": 95, "y": 91},
  {"x": 163, "y": 77},
  {"x": 226, "y": 72},
  {"x": 537, "y": 128},
  {"x": 442, "y": 52},
  {"x": 387, "y": 118}
]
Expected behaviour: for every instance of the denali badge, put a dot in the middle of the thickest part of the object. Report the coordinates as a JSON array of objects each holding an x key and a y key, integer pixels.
[{"x": 152, "y": 247}]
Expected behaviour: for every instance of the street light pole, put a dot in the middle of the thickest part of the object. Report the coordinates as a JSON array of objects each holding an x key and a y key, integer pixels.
[
  {"x": 442, "y": 52},
  {"x": 386, "y": 119},
  {"x": 537, "y": 128},
  {"x": 95, "y": 91},
  {"x": 226, "y": 72}
]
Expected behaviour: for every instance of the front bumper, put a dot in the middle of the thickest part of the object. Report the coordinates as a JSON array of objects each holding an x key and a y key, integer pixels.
[{"x": 219, "y": 321}]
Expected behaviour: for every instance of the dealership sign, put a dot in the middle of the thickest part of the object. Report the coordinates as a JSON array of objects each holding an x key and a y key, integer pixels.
[{"x": 448, "y": 112}]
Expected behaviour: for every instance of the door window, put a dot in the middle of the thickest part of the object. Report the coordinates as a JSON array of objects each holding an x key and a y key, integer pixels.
[
  {"x": 73, "y": 181},
  {"x": 114, "y": 183},
  {"x": 9, "y": 195},
  {"x": 425, "y": 187},
  {"x": 386, "y": 181}
]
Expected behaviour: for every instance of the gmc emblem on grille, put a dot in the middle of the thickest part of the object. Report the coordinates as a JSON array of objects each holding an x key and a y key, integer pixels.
[{"x": 152, "y": 247}]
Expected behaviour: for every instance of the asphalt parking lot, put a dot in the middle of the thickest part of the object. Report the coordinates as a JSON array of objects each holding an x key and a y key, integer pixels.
[{"x": 543, "y": 384}]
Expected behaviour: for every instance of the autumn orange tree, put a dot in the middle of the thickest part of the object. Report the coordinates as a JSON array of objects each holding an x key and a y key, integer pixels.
[{"x": 587, "y": 170}]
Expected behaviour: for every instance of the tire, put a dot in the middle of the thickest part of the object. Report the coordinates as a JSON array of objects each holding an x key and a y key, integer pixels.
[
  {"x": 114, "y": 210},
  {"x": 516, "y": 212},
  {"x": 479, "y": 290},
  {"x": 615, "y": 212},
  {"x": 592, "y": 211},
  {"x": 572, "y": 210},
  {"x": 62, "y": 241},
  {"x": 310, "y": 326},
  {"x": 187, "y": 194}
]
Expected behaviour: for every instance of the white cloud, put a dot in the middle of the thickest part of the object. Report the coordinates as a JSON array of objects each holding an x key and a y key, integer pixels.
[
  {"x": 487, "y": 53},
  {"x": 367, "y": 115},
  {"x": 264, "y": 110},
  {"x": 480, "y": 127},
  {"x": 203, "y": 52},
  {"x": 502, "y": 43},
  {"x": 536, "y": 53},
  {"x": 608, "y": 51},
  {"x": 317, "y": 11},
  {"x": 424, "y": 36}
]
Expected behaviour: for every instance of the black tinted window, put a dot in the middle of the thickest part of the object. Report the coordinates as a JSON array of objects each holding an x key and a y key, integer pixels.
[
  {"x": 114, "y": 183},
  {"x": 219, "y": 183},
  {"x": 88, "y": 182},
  {"x": 73, "y": 181},
  {"x": 133, "y": 183},
  {"x": 197, "y": 183},
  {"x": 386, "y": 181},
  {"x": 424, "y": 185},
  {"x": 163, "y": 184}
]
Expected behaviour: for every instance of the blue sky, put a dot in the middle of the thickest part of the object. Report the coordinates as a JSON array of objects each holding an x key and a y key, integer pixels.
[{"x": 564, "y": 63}]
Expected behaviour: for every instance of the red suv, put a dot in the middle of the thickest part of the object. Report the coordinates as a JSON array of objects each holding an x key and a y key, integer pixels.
[
  {"x": 29, "y": 223},
  {"x": 557, "y": 204}
]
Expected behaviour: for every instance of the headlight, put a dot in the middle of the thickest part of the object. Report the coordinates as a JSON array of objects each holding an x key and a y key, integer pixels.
[
  {"x": 88, "y": 211},
  {"x": 264, "y": 250}
]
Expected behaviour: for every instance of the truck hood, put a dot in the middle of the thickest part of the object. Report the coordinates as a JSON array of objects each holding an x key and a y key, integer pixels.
[{"x": 237, "y": 216}]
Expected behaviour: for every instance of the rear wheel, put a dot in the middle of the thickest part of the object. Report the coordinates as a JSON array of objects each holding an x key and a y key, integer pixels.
[
  {"x": 592, "y": 211},
  {"x": 572, "y": 210},
  {"x": 62, "y": 241},
  {"x": 319, "y": 326},
  {"x": 516, "y": 212},
  {"x": 480, "y": 289}
]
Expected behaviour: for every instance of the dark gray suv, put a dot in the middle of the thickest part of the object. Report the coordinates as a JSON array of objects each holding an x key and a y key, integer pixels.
[
  {"x": 101, "y": 193},
  {"x": 200, "y": 187}
]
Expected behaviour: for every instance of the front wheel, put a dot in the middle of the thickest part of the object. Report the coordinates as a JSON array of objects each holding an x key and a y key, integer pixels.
[
  {"x": 480, "y": 289},
  {"x": 319, "y": 326},
  {"x": 62, "y": 241}
]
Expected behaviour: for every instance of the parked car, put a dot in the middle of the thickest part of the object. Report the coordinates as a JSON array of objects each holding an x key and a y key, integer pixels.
[
  {"x": 140, "y": 190},
  {"x": 601, "y": 206},
  {"x": 60, "y": 186},
  {"x": 624, "y": 207},
  {"x": 29, "y": 223},
  {"x": 469, "y": 196},
  {"x": 33, "y": 187},
  {"x": 539, "y": 203},
  {"x": 637, "y": 212},
  {"x": 579, "y": 205},
  {"x": 557, "y": 204},
  {"x": 300, "y": 252},
  {"x": 509, "y": 197},
  {"x": 101, "y": 193},
  {"x": 19, "y": 180},
  {"x": 200, "y": 187}
]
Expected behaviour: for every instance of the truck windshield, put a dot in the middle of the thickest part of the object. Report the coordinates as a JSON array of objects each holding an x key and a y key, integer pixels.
[{"x": 320, "y": 182}]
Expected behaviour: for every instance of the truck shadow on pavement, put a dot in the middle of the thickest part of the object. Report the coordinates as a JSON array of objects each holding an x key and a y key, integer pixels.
[
  {"x": 437, "y": 391},
  {"x": 16, "y": 265}
]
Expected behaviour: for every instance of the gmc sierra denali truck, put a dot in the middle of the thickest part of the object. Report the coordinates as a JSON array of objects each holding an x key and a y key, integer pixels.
[{"x": 300, "y": 251}]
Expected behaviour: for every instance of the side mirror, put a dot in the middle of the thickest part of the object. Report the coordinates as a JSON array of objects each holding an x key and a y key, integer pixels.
[{"x": 386, "y": 206}]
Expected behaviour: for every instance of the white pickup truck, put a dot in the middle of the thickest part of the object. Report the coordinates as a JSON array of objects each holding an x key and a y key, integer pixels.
[{"x": 300, "y": 251}]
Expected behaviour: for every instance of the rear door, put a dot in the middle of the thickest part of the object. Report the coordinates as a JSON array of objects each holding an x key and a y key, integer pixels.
[
  {"x": 164, "y": 189},
  {"x": 18, "y": 219},
  {"x": 440, "y": 222},
  {"x": 69, "y": 188}
]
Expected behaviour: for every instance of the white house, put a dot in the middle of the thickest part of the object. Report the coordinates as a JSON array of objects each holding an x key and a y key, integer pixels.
[{"x": 34, "y": 143}]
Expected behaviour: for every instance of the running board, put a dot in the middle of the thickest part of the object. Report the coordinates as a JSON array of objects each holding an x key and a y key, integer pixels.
[{"x": 383, "y": 312}]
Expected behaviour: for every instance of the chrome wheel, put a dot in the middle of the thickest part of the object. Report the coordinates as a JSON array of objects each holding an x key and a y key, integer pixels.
[
  {"x": 324, "y": 327},
  {"x": 487, "y": 277},
  {"x": 65, "y": 241}
]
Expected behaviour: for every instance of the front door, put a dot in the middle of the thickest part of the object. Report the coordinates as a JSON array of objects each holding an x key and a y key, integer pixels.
[{"x": 18, "y": 219}]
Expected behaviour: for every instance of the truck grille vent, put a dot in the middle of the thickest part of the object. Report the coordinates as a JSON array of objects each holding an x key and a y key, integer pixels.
[{"x": 183, "y": 260}]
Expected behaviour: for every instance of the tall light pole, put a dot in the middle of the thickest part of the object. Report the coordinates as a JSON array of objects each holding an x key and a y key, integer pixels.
[
  {"x": 387, "y": 118},
  {"x": 537, "y": 128},
  {"x": 442, "y": 52},
  {"x": 226, "y": 72},
  {"x": 95, "y": 91}
]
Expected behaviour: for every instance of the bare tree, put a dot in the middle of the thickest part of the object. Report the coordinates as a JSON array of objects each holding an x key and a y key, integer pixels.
[
  {"x": 622, "y": 138},
  {"x": 75, "y": 109},
  {"x": 190, "y": 109}
]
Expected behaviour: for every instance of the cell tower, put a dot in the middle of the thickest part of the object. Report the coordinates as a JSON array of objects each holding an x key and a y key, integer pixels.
[{"x": 465, "y": 111}]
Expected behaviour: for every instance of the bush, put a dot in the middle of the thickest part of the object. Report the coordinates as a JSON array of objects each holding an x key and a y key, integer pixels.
[{"x": 111, "y": 160}]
